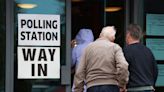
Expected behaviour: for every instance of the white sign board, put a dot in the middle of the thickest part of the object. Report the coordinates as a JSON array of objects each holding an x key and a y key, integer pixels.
[
  {"x": 39, "y": 30},
  {"x": 38, "y": 49},
  {"x": 38, "y": 62}
]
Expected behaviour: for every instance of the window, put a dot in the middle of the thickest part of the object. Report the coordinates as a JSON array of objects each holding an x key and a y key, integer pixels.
[
  {"x": 40, "y": 7},
  {"x": 154, "y": 24}
]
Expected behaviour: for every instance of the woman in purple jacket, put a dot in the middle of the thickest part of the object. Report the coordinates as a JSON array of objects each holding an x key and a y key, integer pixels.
[{"x": 83, "y": 38}]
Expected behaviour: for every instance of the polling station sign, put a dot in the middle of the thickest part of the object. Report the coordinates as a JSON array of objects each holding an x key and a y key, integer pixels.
[
  {"x": 39, "y": 62},
  {"x": 38, "y": 29},
  {"x": 38, "y": 48}
]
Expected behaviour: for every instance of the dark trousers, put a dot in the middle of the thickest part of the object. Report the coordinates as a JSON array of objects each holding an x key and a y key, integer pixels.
[
  {"x": 103, "y": 88},
  {"x": 142, "y": 91}
]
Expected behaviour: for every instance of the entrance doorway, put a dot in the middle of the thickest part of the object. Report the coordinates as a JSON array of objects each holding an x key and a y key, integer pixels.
[{"x": 95, "y": 14}]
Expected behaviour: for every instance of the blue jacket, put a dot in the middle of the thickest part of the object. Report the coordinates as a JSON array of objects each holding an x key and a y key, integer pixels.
[{"x": 83, "y": 38}]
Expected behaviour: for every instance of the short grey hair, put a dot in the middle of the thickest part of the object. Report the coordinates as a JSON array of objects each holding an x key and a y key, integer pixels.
[
  {"x": 108, "y": 32},
  {"x": 135, "y": 31}
]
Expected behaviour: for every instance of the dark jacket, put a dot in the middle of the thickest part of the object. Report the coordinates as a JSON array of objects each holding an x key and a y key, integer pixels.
[{"x": 142, "y": 65}]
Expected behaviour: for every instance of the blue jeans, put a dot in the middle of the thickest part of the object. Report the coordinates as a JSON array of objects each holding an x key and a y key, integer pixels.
[{"x": 104, "y": 88}]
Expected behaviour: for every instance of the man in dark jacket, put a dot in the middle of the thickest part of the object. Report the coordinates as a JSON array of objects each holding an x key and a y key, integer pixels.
[{"x": 142, "y": 65}]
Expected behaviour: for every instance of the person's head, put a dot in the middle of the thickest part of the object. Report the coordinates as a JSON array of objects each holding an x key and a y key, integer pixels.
[
  {"x": 108, "y": 33},
  {"x": 84, "y": 36},
  {"x": 133, "y": 33}
]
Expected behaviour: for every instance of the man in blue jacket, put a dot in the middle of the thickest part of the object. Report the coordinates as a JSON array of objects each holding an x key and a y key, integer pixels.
[{"x": 142, "y": 65}]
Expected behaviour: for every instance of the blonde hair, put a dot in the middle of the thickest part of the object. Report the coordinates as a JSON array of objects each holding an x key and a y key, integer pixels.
[{"x": 108, "y": 32}]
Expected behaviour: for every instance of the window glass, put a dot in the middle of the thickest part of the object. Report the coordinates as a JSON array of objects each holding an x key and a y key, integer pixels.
[
  {"x": 48, "y": 7},
  {"x": 154, "y": 24}
]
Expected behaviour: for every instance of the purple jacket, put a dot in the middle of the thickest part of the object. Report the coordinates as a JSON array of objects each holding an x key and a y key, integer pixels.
[{"x": 83, "y": 38}]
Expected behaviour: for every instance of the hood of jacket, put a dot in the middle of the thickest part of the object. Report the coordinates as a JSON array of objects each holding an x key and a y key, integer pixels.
[{"x": 84, "y": 36}]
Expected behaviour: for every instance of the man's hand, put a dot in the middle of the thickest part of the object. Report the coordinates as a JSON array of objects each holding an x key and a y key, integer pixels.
[{"x": 123, "y": 89}]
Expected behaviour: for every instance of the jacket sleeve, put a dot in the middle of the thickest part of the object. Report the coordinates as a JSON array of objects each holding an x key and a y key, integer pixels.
[
  {"x": 80, "y": 74},
  {"x": 122, "y": 67},
  {"x": 74, "y": 57}
]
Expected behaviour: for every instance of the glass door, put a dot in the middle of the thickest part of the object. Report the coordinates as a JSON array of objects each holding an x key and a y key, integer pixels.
[{"x": 95, "y": 14}]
